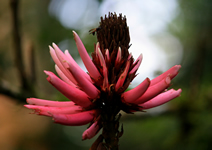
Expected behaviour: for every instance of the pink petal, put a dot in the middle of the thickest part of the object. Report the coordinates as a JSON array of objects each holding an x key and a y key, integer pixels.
[
  {"x": 62, "y": 57},
  {"x": 135, "y": 68},
  {"x": 72, "y": 61},
  {"x": 42, "y": 102},
  {"x": 122, "y": 77},
  {"x": 130, "y": 55},
  {"x": 172, "y": 72},
  {"x": 107, "y": 55},
  {"x": 60, "y": 66},
  {"x": 154, "y": 90},
  {"x": 63, "y": 77},
  {"x": 105, "y": 71},
  {"x": 101, "y": 58},
  {"x": 91, "y": 131},
  {"x": 48, "y": 111},
  {"x": 97, "y": 47},
  {"x": 93, "y": 71},
  {"x": 105, "y": 82},
  {"x": 161, "y": 99},
  {"x": 86, "y": 85},
  {"x": 132, "y": 95},
  {"x": 78, "y": 119},
  {"x": 118, "y": 57},
  {"x": 74, "y": 94}
]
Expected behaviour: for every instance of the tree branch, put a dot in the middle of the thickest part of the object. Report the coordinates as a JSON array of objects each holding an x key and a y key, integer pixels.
[{"x": 17, "y": 44}]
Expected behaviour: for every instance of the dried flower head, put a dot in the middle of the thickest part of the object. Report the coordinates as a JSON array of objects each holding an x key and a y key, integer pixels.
[{"x": 98, "y": 96}]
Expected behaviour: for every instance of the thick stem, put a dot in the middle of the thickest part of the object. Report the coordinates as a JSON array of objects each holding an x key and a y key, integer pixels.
[
  {"x": 109, "y": 139},
  {"x": 111, "y": 133},
  {"x": 110, "y": 130}
]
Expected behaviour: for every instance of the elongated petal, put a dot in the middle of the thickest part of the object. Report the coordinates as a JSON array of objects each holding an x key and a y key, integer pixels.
[
  {"x": 73, "y": 62},
  {"x": 60, "y": 65},
  {"x": 74, "y": 94},
  {"x": 48, "y": 111},
  {"x": 107, "y": 55},
  {"x": 74, "y": 119},
  {"x": 101, "y": 58},
  {"x": 172, "y": 72},
  {"x": 132, "y": 95},
  {"x": 161, "y": 99},
  {"x": 130, "y": 55},
  {"x": 62, "y": 57},
  {"x": 97, "y": 47},
  {"x": 118, "y": 58},
  {"x": 122, "y": 77},
  {"x": 63, "y": 77},
  {"x": 93, "y": 71},
  {"x": 105, "y": 71},
  {"x": 91, "y": 131},
  {"x": 87, "y": 86},
  {"x": 42, "y": 102},
  {"x": 105, "y": 81},
  {"x": 138, "y": 61},
  {"x": 154, "y": 90}
]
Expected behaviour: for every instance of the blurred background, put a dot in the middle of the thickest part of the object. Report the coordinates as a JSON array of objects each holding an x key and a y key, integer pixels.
[{"x": 166, "y": 32}]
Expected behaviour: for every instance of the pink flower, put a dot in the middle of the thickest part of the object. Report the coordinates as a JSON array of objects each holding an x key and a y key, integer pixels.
[{"x": 100, "y": 93}]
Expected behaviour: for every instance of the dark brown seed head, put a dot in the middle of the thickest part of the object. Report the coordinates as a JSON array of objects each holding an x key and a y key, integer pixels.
[{"x": 113, "y": 33}]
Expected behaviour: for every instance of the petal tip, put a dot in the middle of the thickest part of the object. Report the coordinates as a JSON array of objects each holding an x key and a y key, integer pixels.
[
  {"x": 27, "y": 106},
  {"x": 177, "y": 67},
  {"x": 55, "y": 45},
  {"x": 46, "y": 72},
  {"x": 74, "y": 33},
  {"x": 148, "y": 79},
  {"x": 179, "y": 91},
  {"x": 49, "y": 46}
]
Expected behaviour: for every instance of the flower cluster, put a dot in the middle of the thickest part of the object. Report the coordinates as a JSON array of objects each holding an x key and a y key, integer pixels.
[{"x": 98, "y": 96}]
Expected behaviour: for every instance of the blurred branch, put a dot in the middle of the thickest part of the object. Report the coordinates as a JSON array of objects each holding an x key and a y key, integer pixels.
[
  {"x": 32, "y": 65},
  {"x": 27, "y": 86},
  {"x": 17, "y": 44},
  {"x": 6, "y": 91}
]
